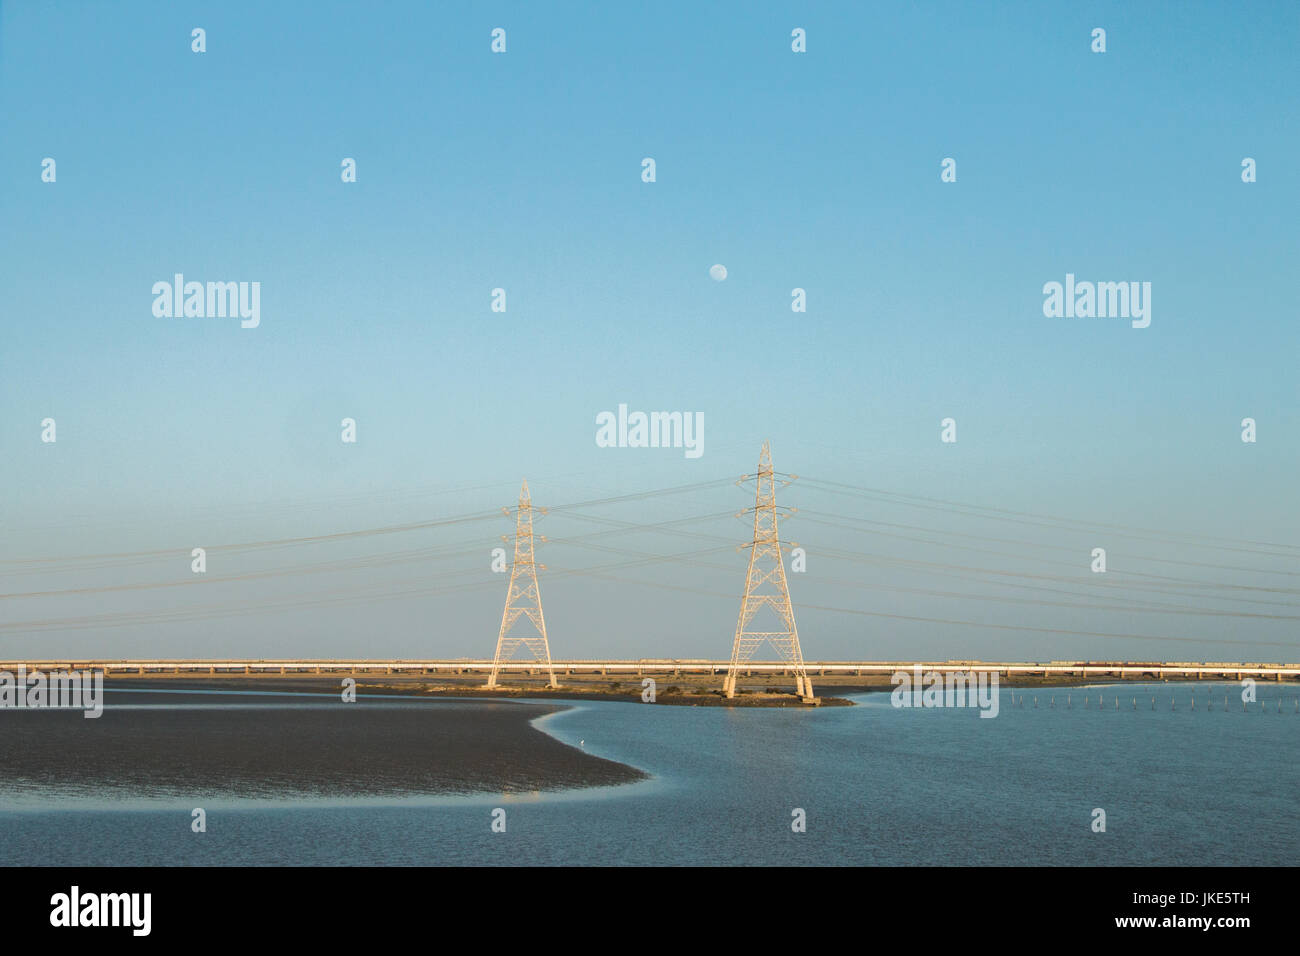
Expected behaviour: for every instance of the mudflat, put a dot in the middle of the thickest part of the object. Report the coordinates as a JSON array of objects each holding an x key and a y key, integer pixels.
[{"x": 193, "y": 746}]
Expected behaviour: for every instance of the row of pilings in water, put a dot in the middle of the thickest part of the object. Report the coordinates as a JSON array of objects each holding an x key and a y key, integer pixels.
[{"x": 1208, "y": 704}]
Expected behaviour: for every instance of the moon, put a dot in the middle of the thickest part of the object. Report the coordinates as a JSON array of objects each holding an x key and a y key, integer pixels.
[{"x": 717, "y": 272}]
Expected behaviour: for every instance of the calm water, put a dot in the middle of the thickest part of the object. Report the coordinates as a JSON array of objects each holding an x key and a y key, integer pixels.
[{"x": 879, "y": 786}]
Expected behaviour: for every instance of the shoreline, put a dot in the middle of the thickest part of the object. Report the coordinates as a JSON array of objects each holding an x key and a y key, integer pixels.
[
  {"x": 682, "y": 691},
  {"x": 413, "y": 689}
]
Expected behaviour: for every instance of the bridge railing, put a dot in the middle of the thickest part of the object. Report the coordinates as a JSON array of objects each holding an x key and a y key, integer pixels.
[{"x": 235, "y": 666}]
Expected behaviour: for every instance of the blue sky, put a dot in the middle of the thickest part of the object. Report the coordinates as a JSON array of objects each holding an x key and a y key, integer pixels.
[{"x": 522, "y": 171}]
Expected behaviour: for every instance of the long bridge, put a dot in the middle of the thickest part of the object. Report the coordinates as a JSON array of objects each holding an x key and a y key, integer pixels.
[
  {"x": 766, "y": 593},
  {"x": 465, "y": 667}
]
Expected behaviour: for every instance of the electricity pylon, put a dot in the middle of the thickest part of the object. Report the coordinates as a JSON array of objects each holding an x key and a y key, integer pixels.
[
  {"x": 524, "y": 597},
  {"x": 765, "y": 586}
]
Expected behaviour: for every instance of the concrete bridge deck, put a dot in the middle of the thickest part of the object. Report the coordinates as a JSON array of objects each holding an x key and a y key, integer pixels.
[{"x": 244, "y": 667}]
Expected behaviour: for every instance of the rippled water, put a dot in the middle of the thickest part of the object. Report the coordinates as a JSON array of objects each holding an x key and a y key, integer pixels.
[{"x": 878, "y": 785}]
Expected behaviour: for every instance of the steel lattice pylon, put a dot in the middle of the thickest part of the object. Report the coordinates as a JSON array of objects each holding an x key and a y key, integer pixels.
[
  {"x": 524, "y": 599},
  {"x": 765, "y": 587}
]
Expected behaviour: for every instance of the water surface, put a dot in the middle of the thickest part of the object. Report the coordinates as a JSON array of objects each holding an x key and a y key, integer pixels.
[{"x": 877, "y": 785}]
